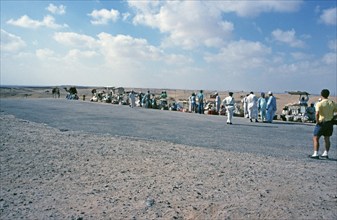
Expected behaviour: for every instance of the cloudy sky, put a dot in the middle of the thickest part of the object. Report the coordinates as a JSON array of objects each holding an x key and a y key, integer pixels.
[{"x": 217, "y": 45}]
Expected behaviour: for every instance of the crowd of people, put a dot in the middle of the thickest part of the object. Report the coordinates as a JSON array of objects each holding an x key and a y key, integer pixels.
[
  {"x": 252, "y": 106},
  {"x": 149, "y": 100}
]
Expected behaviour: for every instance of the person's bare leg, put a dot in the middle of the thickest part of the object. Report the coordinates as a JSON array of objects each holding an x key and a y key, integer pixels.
[
  {"x": 315, "y": 140},
  {"x": 327, "y": 146},
  {"x": 327, "y": 143}
]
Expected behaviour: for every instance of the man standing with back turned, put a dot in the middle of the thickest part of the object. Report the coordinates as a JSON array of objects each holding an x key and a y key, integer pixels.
[
  {"x": 229, "y": 103},
  {"x": 201, "y": 102},
  {"x": 324, "y": 125}
]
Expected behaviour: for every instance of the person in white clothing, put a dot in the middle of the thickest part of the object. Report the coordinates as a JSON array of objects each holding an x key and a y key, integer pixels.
[
  {"x": 245, "y": 106},
  {"x": 217, "y": 103},
  {"x": 229, "y": 102},
  {"x": 132, "y": 98},
  {"x": 252, "y": 107}
]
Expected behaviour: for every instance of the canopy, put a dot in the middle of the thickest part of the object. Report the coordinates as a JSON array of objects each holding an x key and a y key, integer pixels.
[{"x": 298, "y": 93}]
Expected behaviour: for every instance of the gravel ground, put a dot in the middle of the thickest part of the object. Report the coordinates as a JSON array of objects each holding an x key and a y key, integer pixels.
[{"x": 47, "y": 173}]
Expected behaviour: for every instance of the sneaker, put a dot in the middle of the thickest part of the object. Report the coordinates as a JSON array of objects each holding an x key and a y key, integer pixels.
[
  {"x": 325, "y": 157},
  {"x": 313, "y": 157}
]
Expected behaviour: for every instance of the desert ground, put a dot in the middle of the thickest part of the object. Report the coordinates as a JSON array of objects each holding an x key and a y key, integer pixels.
[{"x": 50, "y": 173}]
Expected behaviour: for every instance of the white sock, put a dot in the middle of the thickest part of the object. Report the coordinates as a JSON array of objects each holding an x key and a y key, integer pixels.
[
  {"x": 325, "y": 153},
  {"x": 315, "y": 154}
]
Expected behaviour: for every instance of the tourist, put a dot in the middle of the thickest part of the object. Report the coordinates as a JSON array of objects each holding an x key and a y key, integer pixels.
[{"x": 324, "y": 123}]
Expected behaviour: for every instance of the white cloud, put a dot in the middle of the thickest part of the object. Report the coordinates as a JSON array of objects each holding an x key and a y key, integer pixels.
[
  {"x": 255, "y": 8},
  {"x": 125, "y": 59},
  {"x": 333, "y": 45},
  {"x": 288, "y": 37},
  {"x": 330, "y": 58},
  {"x": 329, "y": 16},
  {"x": 72, "y": 39},
  {"x": 10, "y": 42},
  {"x": 118, "y": 48},
  {"x": 26, "y": 22},
  {"x": 124, "y": 47},
  {"x": 191, "y": 24},
  {"x": 126, "y": 16},
  {"x": 103, "y": 16},
  {"x": 78, "y": 54},
  {"x": 240, "y": 56},
  {"x": 188, "y": 23},
  {"x": 301, "y": 56},
  {"x": 56, "y": 9},
  {"x": 44, "y": 53}
]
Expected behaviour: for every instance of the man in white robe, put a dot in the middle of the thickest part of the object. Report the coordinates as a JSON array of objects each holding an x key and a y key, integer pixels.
[
  {"x": 217, "y": 103},
  {"x": 252, "y": 107},
  {"x": 245, "y": 106},
  {"x": 132, "y": 98}
]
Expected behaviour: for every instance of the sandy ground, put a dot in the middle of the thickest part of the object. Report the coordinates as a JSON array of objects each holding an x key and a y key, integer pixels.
[{"x": 51, "y": 174}]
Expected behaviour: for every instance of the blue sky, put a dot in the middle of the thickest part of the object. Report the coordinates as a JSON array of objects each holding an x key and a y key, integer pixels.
[{"x": 216, "y": 45}]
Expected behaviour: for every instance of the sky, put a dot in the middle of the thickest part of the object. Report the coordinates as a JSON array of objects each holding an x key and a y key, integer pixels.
[{"x": 256, "y": 45}]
